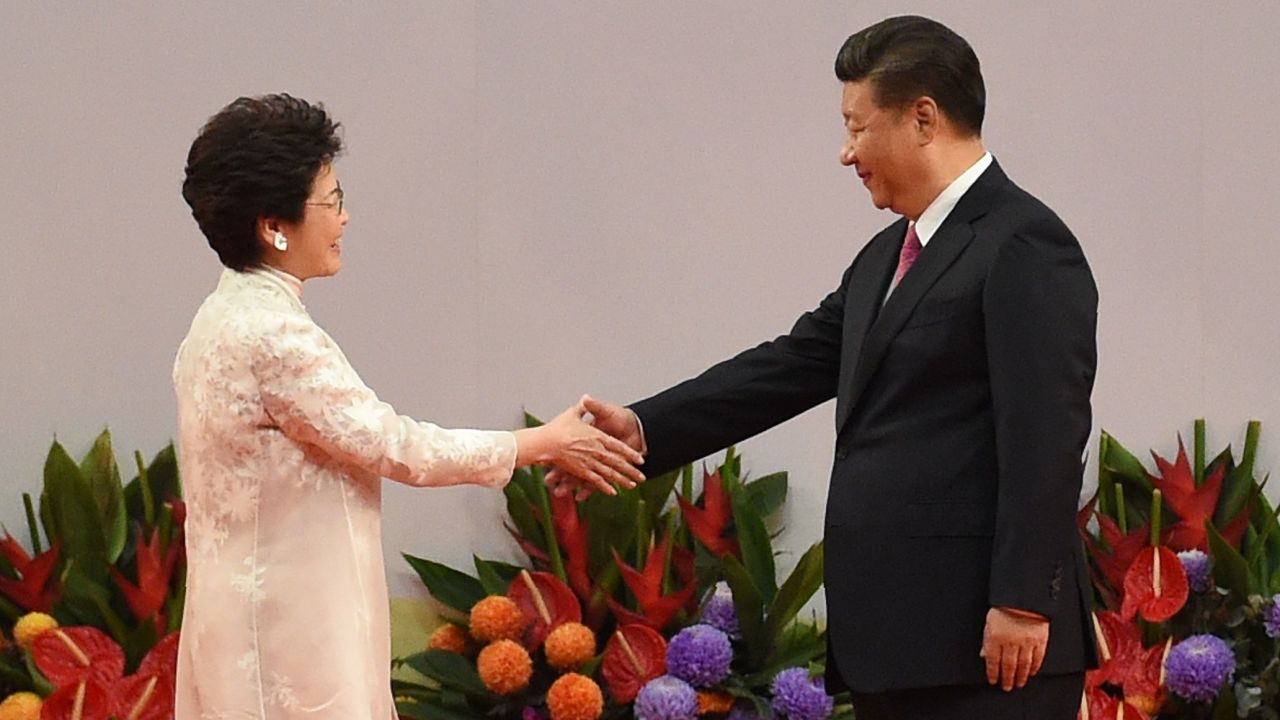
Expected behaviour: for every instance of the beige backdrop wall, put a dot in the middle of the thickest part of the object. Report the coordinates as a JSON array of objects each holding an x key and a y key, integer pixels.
[{"x": 552, "y": 198}]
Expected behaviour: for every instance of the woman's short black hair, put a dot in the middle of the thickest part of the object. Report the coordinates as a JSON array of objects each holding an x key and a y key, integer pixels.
[
  {"x": 907, "y": 57},
  {"x": 256, "y": 158}
]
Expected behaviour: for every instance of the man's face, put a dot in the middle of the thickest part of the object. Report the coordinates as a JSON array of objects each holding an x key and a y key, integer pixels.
[{"x": 882, "y": 145}]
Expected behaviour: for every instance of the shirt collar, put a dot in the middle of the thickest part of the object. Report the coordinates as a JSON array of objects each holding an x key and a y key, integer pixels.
[{"x": 934, "y": 215}]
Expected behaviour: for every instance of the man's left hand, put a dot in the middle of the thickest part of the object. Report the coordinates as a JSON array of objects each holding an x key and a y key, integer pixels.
[{"x": 1013, "y": 646}]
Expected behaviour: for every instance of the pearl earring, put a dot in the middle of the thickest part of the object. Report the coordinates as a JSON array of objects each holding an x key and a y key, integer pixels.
[{"x": 281, "y": 242}]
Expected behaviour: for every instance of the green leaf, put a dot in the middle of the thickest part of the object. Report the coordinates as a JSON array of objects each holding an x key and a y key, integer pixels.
[
  {"x": 102, "y": 474},
  {"x": 451, "y": 670},
  {"x": 36, "y": 547},
  {"x": 86, "y": 601},
  {"x": 520, "y": 509},
  {"x": 757, "y": 550},
  {"x": 453, "y": 588},
  {"x": 747, "y": 603},
  {"x": 612, "y": 525},
  {"x": 802, "y": 643},
  {"x": 431, "y": 710},
  {"x": 1229, "y": 567},
  {"x": 495, "y": 576},
  {"x": 1118, "y": 464},
  {"x": 655, "y": 492},
  {"x": 799, "y": 586},
  {"x": 74, "y": 515},
  {"x": 768, "y": 493},
  {"x": 532, "y": 421}
]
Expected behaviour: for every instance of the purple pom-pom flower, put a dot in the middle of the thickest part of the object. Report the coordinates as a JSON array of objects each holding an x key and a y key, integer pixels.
[
  {"x": 1198, "y": 666},
  {"x": 798, "y": 697},
  {"x": 1196, "y": 565},
  {"x": 700, "y": 655},
  {"x": 666, "y": 698},
  {"x": 718, "y": 610},
  {"x": 1271, "y": 618}
]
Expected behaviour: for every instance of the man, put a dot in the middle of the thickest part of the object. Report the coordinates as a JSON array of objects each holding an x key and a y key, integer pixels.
[{"x": 960, "y": 348}]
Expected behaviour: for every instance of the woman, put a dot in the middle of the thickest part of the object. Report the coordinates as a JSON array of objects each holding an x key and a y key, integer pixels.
[{"x": 283, "y": 447}]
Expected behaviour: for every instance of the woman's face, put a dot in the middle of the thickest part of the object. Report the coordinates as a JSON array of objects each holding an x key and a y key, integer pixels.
[{"x": 315, "y": 242}]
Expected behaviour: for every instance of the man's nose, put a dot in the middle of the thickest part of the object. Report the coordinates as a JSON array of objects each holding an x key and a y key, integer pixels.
[{"x": 847, "y": 156}]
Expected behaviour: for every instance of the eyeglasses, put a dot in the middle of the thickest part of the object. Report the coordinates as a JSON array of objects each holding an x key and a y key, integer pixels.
[{"x": 337, "y": 191}]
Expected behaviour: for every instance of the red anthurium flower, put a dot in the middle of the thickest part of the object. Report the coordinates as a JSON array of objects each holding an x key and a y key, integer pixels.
[
  {"x": 84, "y": 699},
  {"x": 1098, "y": 705},
  {"x": 573, "y": 534},
  {"x": 547, "y": 603},
  {"x": 657, "y": 609},
  {"x": 1119, "y": 644},
  {"x": 146, "y": 598},
  {"x": 634, "y": 655},
  {"x": 1124, "y": 548},
  {"x": 1155, "y": 585},
  {"x": 149, "y": 693},
  {"x": 1144, "y": 688},
  {"x": 71, "y": 654},
  {"x": 1193, "y": 505},
  {"x": 708, "y": 522},
  {"x": 33, "y": 589}
]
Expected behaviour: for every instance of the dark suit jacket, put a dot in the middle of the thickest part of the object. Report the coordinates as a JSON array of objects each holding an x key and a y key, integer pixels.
[{"x": 962, "y": 413}]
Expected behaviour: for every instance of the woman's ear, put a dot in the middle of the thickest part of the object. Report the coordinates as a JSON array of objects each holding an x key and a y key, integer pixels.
[{"x": 270, "y": 232}]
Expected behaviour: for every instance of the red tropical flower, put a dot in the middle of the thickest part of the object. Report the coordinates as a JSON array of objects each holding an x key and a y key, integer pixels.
[
  {"x": 1193, "y": 505},
  {"x": 634, "y": 655},
  {"x": 149, "y": 693},
  {"x": 68, "y": 655},
  {"x": 155, "y": 570},
  {"x": 573, "y": 534},
  {"x": 1119, "y": 644},
  {"x": 1098, "y": 705},
  {"x": 707, "y": 523},
  {"x": 546, "y": 602},
  {"x": 656, "y": 609},
  {"x": 85, "y": 699},
  {"x": 33, "y": 589},
  {"x": 1155, "y": 585},
  {"x": 1124, "y": 548},
  {"x": 1144, "y": 687}
]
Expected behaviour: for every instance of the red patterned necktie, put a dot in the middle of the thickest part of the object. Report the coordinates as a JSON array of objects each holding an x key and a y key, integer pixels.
[{"x": 911, "y": 248}]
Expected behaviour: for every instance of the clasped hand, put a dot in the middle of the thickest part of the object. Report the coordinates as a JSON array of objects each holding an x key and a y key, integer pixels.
[
  {"x": 590, "y": 455},
  {"x": 619, "y": 424}
]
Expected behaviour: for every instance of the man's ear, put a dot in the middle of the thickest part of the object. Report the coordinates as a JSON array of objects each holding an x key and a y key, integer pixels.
[{"x": 927, "y": 119}]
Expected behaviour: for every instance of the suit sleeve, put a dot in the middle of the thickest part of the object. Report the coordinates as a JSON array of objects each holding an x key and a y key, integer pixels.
[
  {"x": 749, "y": 393},
  {"x": 1040, "y": 305}
]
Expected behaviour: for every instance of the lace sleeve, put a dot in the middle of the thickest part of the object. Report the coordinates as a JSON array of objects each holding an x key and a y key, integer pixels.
[{"x": 316, "y": 398}]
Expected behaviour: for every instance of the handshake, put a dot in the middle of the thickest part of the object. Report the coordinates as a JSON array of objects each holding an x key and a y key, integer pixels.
[{"x": 592, "y": 446}]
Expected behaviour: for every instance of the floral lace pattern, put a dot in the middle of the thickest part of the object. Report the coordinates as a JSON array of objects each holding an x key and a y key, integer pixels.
[{"x": 282, "y": 449}]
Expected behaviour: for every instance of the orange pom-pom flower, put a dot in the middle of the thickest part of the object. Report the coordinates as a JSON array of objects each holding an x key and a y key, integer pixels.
[
  {"x": 714, "y": 701},
  {"x": 570, "y": 646},
  {"x": 451, "y": 638},
  {"x": 575, "y": 697},
  {"x": 496, "y": 617},
  {"x": 505, "y": 667}
]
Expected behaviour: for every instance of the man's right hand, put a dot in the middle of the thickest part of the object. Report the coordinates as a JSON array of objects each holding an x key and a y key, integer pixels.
[{"x": 611, "y": 419}]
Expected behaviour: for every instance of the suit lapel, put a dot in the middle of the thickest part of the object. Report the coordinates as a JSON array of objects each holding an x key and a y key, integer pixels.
[
  {"x": 862, "y": 305},
  {"x": 940, "y": 253}
]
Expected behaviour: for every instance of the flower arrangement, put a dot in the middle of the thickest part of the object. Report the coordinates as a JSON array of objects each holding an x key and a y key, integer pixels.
[
  {"x": 103, "y": 574},
  {"x": 1185, "y": 564},
  {"x": 660, "y": 603}
]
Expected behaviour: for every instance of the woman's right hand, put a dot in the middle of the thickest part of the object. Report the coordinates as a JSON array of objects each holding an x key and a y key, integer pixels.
[{"x": 579, "y": 450}]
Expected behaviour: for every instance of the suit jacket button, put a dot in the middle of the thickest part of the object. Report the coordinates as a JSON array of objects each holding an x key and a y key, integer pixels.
[{"x": 841, "y": 453}]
